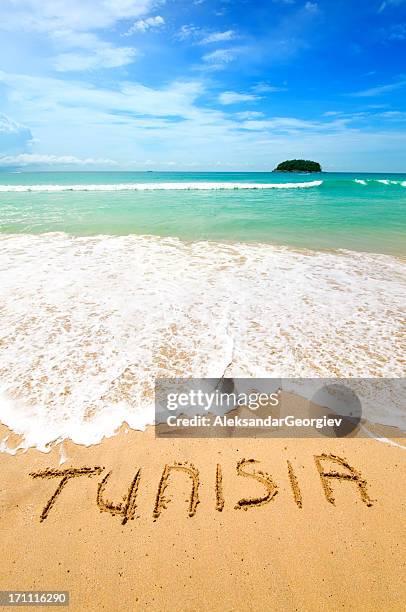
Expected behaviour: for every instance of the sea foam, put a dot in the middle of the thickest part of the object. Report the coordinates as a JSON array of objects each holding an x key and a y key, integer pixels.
[
  {"x": 203, "y": 186},
  {"x": 87, "y": 323},
  {"x": 386, "y": 182}
]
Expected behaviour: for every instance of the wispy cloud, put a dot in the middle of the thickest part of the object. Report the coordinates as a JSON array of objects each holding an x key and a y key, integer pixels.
[
  {"x": 379, "y": 90},
  {"x": 267, "y": 88},
  {"x": 311, "y": 7},
  {"x": 219, "y": 58},
  {"x": 215, "y": 37},
  {"x": 77, "y": 15},
  {"x": 203, "y": 36},
  {"x": 86, "y": 51},
  {"x": 143, "y": 25},
  {"x": 104, "y": 56},
  {"x": 388, "y": 3},
  {"x": 233, "y": 97},
  {"x": 152, "y": 126},
  {"x": 187, "y": 31},
  {"x": 250, "y": 115},
  {"x": 394, "y": 115},
  {"x": 73, "y": 27},
  {"x": 397, "y": 32},
  {"x": 32, "y": 159},
  {"x": 293, "y": 125},
  {"x": 13, "y": 135},
  {"x": 45, "y": 97}
]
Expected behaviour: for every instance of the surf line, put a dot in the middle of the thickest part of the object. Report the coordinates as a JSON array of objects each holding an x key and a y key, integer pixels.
[{"x": 331, "y": 468}]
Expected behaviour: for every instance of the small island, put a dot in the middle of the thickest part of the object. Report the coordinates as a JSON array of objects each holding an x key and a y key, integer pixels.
[{"x": 298, "y": 165}]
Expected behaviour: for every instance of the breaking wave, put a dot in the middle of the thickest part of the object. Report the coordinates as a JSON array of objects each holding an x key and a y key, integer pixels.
[
  {"x": 203, "y": 186},
  {"x": 197, "y": 186},
  {"x": 386, "y": 182}
]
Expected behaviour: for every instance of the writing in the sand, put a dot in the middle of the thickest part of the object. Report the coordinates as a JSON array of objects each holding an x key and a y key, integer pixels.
[{"x": 331, "y": 468}]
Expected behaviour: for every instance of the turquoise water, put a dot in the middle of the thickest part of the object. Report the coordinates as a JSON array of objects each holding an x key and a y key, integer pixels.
[{"x": 346, "y": 211}]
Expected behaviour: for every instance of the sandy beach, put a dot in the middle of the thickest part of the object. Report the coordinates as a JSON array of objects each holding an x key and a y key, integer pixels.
[
  {"x": 252, "y": 523},
  {"x": 89, "y": 324},
  {"x": 202, "y": 305},
  {"x": 292, "y": 543}
]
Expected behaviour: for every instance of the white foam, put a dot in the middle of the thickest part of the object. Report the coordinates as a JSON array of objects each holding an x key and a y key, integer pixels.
[
  {"x": 87, "y": 323},
  {"x": 390, "y": 182},
  {"x": 381, "y": 181},
  {"x": 203, "y": 186}
]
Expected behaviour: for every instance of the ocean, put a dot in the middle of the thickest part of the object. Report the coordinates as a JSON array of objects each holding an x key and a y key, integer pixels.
[
  {"x": 111, "y": 279},
  {"x": 360, "y": 212}
]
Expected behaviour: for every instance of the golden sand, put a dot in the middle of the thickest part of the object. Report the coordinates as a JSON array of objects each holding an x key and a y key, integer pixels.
[{"x": 139, "y": 523}]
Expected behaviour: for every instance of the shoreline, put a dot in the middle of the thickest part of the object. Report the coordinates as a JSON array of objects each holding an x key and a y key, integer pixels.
[
  {"x": 401, "y": 258},
  {"x": 104, "y": 317},
  {"x": 12, "y": 442}
]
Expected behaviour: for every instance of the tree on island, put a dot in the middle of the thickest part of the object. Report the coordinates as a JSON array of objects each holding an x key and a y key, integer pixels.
[{"x": 298, "y": 165}]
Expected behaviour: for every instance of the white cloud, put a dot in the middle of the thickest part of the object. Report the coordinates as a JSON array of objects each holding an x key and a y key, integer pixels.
[
  {"x": 71, "y": 26},
  {"x": 267, "y": 88},
  {"x": 250, "y": 115},
  {"x": 292, "y": 125},
  {"x": 218, "y": 37},
  {"x": 233, "y": 97},
  {"x": 203, "y": 36},
  {"x": 9, "y": 126},
  {"x": 378, "y": 91},
  {"x": 78, "y": 15},
  {"x": 397, "y": 32},
  {"x": 389, "y": 3},
  {"x": 86, "y": 51},
  {"x": 395, "y": 115},
  {"x": 104, "y": 56},
  {"x": 13, "y": 135},
  {"x": 32, "y": 159},
  {"x": 134, "y": 122},
  {"x": 40, "y": 95},
  {"x": 220, "y": 56},
  {"x": 143, "y": 25},
  {"x": 311, "y": 7},
  {"x": 188, "y": 31}
]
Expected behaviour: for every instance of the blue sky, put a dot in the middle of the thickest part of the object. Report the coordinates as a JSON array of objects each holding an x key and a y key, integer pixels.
[{"x": 202, "y": 85}]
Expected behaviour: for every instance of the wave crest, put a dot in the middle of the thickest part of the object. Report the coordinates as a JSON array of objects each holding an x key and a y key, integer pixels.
[
  {"x": 158, "y": 186},
  {"x": 386, "y": 182}
]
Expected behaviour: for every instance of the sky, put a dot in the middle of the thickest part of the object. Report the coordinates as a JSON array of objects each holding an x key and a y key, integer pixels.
[{"x": 212, "y": 85}]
